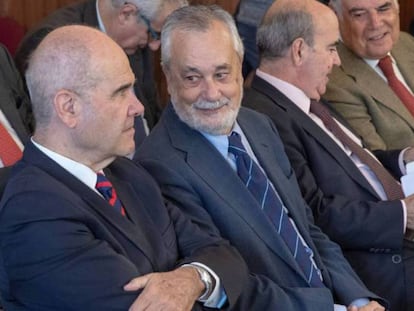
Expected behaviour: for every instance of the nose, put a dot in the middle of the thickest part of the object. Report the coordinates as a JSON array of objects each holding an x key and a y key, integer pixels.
[
  {"x": 211, "y": 90},
  {"x": 374, "y": 19},
  {"x": 336, "y": 59},
  {"x": 136, "y": 108},
  {"x": 154, "y": 45}
]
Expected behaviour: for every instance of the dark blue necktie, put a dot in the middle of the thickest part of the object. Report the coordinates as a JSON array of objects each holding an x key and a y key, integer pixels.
[
  {"x": 104, "y": 186},
  {"x": 258, "y": 184}
]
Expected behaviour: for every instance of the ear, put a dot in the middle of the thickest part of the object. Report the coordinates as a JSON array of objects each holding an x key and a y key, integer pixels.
[
  {"x": 299, "y": 50},
  {"x": 67, "y": 107},
  {"x": 168, "y": 77},
  {"x": 126, "y": 12}
]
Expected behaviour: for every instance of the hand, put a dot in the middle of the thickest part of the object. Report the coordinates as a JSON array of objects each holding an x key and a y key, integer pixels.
[
  {"x": 177, "y": 290},
  {"x": 372, "y": 306},
  {"x": 409, "y": 203}
]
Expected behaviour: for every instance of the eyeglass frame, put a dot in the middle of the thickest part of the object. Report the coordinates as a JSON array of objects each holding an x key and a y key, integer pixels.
[{"x": 155, "y": 35}]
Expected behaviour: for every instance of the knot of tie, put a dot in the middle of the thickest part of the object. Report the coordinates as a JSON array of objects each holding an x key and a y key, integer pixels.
[
  {"x": 385, "y": 65},
  {"x": 235, "y": 145}
]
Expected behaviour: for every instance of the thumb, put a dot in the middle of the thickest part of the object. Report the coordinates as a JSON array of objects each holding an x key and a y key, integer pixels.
[{"x": 137, "y": 283}]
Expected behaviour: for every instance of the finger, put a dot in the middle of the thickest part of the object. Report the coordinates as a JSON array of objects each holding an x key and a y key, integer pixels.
[{"x": 137, "y": 283}]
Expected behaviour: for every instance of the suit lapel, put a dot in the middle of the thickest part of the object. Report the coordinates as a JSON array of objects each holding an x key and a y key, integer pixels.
[
  {"x": 96, "y": 204},
  {"x": 405, "y": 58},
  {"x": 372, "y": 83},
  {"x": 220, "y": 177},
  {"x": 313, "y": 130}
]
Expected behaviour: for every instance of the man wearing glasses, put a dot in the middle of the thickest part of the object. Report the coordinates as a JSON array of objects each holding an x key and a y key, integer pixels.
[{"x": 135, "y": 25}]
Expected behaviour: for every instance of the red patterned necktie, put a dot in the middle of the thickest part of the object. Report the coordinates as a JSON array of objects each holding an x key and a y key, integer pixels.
[
  {"x": 9, "y": 151},
  {"x": 104, "y": 186},
  {"x": 396, "y": 85},
  {"x": 391, "y": 187}
]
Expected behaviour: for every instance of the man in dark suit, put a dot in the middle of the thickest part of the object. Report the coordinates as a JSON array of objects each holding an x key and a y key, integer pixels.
[
  {"x": 14, "y": 101},
  {"x": 359, "y": 89},
  {"x": 134, "y": 25},
  {"x": 14, "y": 109},
  {"x": 69, "y": 241},
  {"x": 345, "y": 196},
  {"x": 187, "y": 152}
]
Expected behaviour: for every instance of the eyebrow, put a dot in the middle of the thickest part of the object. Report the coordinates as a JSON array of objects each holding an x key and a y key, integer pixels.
[
  {"x": 122, "y": 88},
  {"x": 356, "y": 9}
]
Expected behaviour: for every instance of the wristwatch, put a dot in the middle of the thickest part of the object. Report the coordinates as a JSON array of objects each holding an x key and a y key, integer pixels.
[{"x": 207, "y": 280}]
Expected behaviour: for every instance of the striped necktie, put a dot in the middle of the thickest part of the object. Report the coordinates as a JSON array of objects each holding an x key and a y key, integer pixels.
[
  {"x": 260, "y": 187},
  {"x": 104, "y": 186}
]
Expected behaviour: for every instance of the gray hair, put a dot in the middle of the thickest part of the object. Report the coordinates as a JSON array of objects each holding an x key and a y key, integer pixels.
[
  {"x": 196, "y": 18},
  {"x": 64, "y": 62},
  {"x": 277, "y": 32},
  {"x": 148, "y": 8},
  {"x": 337, "y": 6}
]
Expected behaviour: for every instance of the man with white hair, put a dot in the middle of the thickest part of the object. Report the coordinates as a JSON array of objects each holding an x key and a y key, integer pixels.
[
  {"x": 135, "y": 25},
  {"x": 373, "y": 87}
]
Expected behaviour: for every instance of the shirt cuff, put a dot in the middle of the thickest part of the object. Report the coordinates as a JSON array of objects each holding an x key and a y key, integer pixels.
[
  {"x": 401, "y": 163},
  {"x": 359, "y": 302}
]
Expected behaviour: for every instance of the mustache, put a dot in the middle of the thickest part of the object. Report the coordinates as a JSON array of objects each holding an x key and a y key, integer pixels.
[{"x": 208, "y": 105}]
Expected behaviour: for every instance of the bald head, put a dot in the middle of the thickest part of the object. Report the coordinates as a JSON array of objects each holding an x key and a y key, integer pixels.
[{"x": 67, "y": 58}]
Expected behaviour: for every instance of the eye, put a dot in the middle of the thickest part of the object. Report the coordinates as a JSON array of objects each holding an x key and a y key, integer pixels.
[
  {"x": 192, "y": 80},
  {"x": 360, "y": 14},
  {"x": 222, "y": 75},
  {"x": 384, "y": 8},
  {"x": 332, "y": 49}
]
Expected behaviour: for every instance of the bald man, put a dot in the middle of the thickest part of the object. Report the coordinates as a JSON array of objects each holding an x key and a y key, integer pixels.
[{"x": 80, "y": 221}]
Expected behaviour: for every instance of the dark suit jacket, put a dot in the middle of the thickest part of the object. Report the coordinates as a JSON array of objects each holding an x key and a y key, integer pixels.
[
  {"x": 366, "y": 101},
  {"x": 85, "y": 13},
  {"x": 14, "y": 103},
  {"x": 194, "y": 174},
  {"x": 65, "y": 248},
  {"x": 345, "y": 206}
]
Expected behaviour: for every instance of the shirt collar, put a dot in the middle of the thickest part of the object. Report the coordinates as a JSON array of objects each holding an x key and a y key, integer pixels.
[
  {"x": 295, "y": 94},
  {"x": 80, "y": 171},
  {"x": 221, "y": 142}
]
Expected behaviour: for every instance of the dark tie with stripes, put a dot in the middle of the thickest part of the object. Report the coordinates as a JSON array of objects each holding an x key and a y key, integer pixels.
[
  {"x": 104, "y": 186},
  {"x": 258, "y": 184}
]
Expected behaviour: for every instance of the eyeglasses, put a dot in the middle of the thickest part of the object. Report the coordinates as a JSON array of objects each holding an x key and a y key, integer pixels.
[{"x": 155, "y": 35}]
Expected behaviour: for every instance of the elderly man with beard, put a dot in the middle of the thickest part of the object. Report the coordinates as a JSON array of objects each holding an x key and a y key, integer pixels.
[{"x": 197, "y": 152}]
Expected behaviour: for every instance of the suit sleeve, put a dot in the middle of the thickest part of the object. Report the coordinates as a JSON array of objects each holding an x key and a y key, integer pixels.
[{"x": 54, "y": 261}]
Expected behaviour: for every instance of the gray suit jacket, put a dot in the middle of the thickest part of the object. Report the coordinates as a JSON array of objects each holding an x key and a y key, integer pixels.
[
  {"x": 366, "y": 101},
  {"x": 193, "y": 174}
]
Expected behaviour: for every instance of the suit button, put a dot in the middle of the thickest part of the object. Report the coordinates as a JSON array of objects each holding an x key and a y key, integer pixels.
[{"x": 396, "y": 259}]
